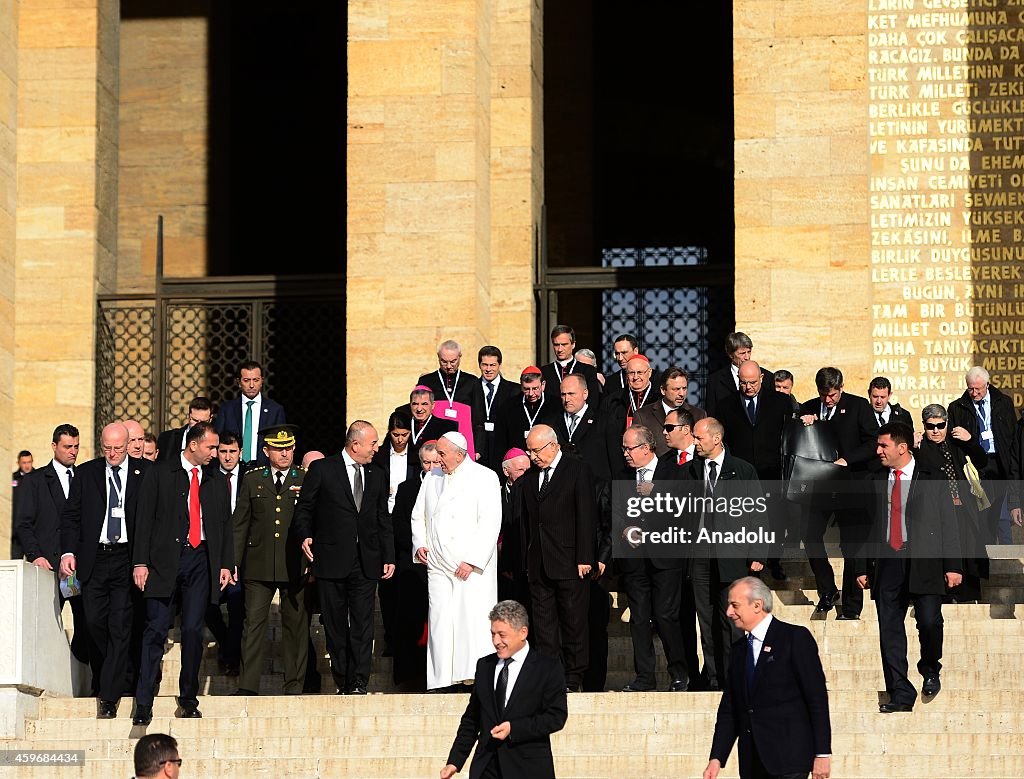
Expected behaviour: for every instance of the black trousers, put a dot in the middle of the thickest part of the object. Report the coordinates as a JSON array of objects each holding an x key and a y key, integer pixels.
[
  {"x": 717, "y": 631},
  {"x": 192, "y": 592},
  {"x": 654, "y": 595},
  {"x": 346, "y": 609},
  {"x": 560, "y": 610},
  {"x": 598, "y": 614},
  {"x": 852, "y": 530},
  {"x": 107, "y": 604},
  {"x": 229, "y": 636},
  {"x": 892, "y": 598},
  {"x": 688, "y": 627}
]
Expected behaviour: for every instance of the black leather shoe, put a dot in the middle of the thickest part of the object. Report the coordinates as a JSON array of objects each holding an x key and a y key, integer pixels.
[
  {"x": 637, "y": 686},
  {"x": 107, "y": 710},
  {"x": 848, "y": 618},
  {"x": 932, "y": 685},
  {"x": 357, "y": 689},
  {"x": 243, "y": 691},
  {"x": 827, "y": 601},
  {"x": 892, "y": 708},
  {"x": 143, "y": 715},
  {"x": 190, "y": 712},
  {"x": 679, "y": 685}
]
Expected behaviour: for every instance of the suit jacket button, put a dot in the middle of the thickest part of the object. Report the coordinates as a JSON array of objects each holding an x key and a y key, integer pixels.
[
  {"x": 279, "y": 497},
  {"x": 277, "y": 521},
  {"x": 277, "y": 535},
  {"x": 750, "y": 711},
  {"x": 278, "y": 509},
  {"x": 177, "y": 540}
]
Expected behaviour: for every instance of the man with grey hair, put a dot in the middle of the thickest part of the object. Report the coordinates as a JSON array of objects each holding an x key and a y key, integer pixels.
[
  {"x": 775, "y": 701},
  {"x": 449, "y": 382},
  {"x": 587, "y": 357},
  {"x": 559, "y": 509},
  {"x": 725, "y": 382},
  {"x": 988, "y": 415},
  {"x": 455, "y": 526},
  {"x": 512, "y": 734}
]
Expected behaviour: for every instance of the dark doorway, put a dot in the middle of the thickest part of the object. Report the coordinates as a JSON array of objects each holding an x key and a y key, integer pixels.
[{"x": 638, "y": 147}]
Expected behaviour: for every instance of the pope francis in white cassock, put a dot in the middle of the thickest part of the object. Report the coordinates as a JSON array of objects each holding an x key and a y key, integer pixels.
[{"x": 455, "y": 526}]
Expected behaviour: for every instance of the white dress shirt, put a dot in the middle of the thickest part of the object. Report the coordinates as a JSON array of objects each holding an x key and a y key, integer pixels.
[
  {"x": 398, "y": 464},
  {"x": 62, "y": 476},
  {"x": 108, "y": 475},
  {"x": 513, "y": 670}
]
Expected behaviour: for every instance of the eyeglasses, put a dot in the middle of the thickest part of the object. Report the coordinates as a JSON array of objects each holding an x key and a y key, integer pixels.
[
  {"x": 176, "y": 761},
  {"x": 934, "y": 425},
  {"x": 753, "y": 383},
  {"x": 670, "y": 428},
  {"x": 540, "y": 449},
  {"x": 116, "y": 449},
  {"x": 628, "y": 449}
]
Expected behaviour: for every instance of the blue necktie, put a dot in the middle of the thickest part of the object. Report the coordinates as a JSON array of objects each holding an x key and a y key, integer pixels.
[
  {"x": 986, "y": 443},
  {"x": 113, "y": 502},
  {"x": 751, "y": 410}
]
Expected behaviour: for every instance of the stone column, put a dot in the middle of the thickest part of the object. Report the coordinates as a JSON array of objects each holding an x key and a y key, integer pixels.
[
  {"x": 66, "y": 245},
  {"x": 443, "y": 188}
]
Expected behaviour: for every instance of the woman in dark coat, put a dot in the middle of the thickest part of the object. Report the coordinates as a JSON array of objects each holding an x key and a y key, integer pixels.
[{"x": 946, "y": 450}]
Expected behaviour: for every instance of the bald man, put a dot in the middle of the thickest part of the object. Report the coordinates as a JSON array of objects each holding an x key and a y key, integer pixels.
[
  {"x": 97, "y": 534},
  {"x": 136, "y": 438}
]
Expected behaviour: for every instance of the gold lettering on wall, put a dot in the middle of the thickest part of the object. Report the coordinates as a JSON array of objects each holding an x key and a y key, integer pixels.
[{"x": 946, "y": 194}]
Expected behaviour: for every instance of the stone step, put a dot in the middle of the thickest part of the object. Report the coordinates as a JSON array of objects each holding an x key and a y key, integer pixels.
[
  {"x": 408, "y": 707},
  {"x": 651, "y": 766},
  {"x": 690, "y": 740}
]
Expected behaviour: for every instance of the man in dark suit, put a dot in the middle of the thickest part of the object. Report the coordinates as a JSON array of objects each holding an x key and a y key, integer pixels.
[
  {"x": 563, "y": 344},
  {"x": 272, "y": 562},
  {"x": 512, "y": 581},
  {"x": 184, "y": 555},
  {"x": 98, "y": 534},
  {"x": 489, "y": 396},
  {"x": 855, "y": 428},
  {"x": 449, "y": 381},
  {"x": 753, "y": 420},
  {"x": 725, "y": 382},
  {"x": 229, "y": 636},
  {"x": 585, "y": 433},
  {"x": 342, "y": 523},
  {"x": 713, "y": 567},
  {"x": 559, "y": 507},
  {"x": 988, "y": 415},
  {"x": 674, "y": 384},
  {"x": 518, "y": 701},
  {"x": 250, "y": 412},
  {"x": 623, "y": 347},
  {"x": 24, "y": 469},
  {"x": 425, "y": 426},
  {"x": 171, "y": 443},
  {"x": 914, "y": 556},
  {"x": 520, "y": 415},
  {"x": 879, "y": 393},
  {"x": 44, "y": 492},
  {"x": 653, "y": 580},
  {"x": 775, "y": 701}
]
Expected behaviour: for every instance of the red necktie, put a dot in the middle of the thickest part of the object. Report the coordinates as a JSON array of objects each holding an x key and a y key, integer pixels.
[
  {"x": 683, "y": 457},
  {"x": 195, "y": 521},
  {"x": 895, "y": 526}
]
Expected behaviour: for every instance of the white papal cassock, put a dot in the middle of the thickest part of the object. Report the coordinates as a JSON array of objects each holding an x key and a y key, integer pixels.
[{"x": 457, "y": 517}]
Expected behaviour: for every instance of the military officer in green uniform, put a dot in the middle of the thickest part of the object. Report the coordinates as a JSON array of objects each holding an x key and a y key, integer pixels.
[{"x": 269, "y": 563}]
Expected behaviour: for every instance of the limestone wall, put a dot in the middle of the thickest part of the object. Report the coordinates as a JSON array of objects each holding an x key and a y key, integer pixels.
[
  {"x": 8, "y": 204},
  {"x": 802, "y": 252},
  {"x": 443, "y": 182}
]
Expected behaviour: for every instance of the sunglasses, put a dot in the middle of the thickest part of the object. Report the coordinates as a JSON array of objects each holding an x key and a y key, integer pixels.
[
  {"x": 934, "y": 425},
  {"x": 670, "y": 428}
]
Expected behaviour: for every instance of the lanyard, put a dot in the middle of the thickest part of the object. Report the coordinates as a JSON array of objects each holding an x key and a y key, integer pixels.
[
  {"x": 118, "y": 492},
  {"x": 417, "y": 436},
  {"x": 455, "y": 385},
  {"x": 632, "y": 401},
  {"x": 487, "y": 406},
  {"x": 534, "y": 417}
]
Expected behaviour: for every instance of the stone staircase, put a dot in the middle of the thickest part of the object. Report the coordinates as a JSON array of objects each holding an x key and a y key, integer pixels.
[{"x": 973, "y": 728}]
